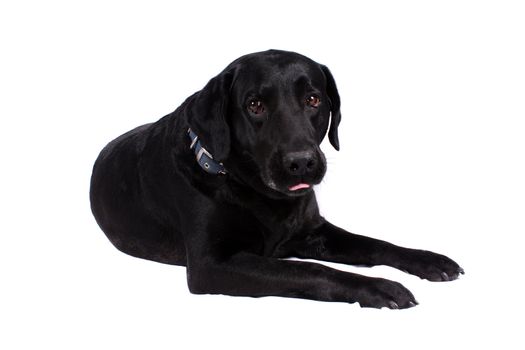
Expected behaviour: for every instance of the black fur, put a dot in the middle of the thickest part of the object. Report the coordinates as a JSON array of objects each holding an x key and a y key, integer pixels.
[{"x": 232, "y": 231}]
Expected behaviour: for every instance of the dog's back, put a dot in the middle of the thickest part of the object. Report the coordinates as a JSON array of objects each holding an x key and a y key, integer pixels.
[{"x": 117, "y": 200}]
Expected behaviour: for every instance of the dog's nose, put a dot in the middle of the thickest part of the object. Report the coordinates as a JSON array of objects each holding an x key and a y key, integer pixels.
[{"x": 299, "y": 163}]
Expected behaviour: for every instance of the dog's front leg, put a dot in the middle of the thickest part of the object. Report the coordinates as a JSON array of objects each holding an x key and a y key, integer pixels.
[
  {"x": 331, "y": 243},
  {"x": 247, "y": 274}
]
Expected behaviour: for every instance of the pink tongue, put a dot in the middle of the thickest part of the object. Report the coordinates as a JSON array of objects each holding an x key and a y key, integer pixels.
[{"x": 298, "y": 187}]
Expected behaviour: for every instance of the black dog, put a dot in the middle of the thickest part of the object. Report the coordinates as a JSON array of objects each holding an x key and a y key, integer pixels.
[{"x": 223, "y": 186}]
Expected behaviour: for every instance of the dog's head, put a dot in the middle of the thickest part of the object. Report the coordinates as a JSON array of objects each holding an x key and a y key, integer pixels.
[{"x": 265, "y": 116}]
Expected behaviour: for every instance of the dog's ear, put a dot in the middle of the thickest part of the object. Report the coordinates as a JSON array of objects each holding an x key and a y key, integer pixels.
[
  {"x": 335, "y": 105},
  {"x": 207, "y": 114}
]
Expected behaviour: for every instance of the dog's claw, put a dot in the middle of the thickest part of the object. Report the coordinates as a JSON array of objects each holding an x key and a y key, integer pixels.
[
  {"x": 461, "y": 271},
  {"x": 393, "y": 305},
  {"x": 444, "y": 276},
  {"x": 412, "y": 304}
]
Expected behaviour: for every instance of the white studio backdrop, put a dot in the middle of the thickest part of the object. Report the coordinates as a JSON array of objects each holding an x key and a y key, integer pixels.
[{"x": 432, "y": 156}]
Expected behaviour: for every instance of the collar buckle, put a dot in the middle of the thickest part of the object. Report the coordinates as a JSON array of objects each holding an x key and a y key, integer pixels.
[{"x": 203, "y": 157}]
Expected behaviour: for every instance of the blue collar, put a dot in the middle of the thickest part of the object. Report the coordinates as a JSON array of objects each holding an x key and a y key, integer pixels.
[{"x": 204, "y": 158}]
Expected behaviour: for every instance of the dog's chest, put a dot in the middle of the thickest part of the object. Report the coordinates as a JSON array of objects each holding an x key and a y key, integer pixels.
[{"x": 276, "y": 227}]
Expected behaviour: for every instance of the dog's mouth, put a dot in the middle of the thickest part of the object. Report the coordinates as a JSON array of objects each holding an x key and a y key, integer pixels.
[
  {"x": 299, "y": 187},
  {"x": 291, "y": 190}
]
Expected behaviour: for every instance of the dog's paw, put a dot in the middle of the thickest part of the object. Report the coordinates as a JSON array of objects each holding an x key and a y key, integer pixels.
[
  {"x": 385, "y": 293},
  {"x": 431, "y": 266}
]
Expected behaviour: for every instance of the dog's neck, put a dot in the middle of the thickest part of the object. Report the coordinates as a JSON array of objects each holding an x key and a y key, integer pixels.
[{"x": 203, "y": 157}]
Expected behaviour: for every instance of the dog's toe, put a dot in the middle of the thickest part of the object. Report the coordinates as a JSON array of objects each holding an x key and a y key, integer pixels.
[{"x": 393, "y": 305}]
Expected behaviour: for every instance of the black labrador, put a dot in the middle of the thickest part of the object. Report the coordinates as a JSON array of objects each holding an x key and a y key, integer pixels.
[{"x": 224, "y": 186}]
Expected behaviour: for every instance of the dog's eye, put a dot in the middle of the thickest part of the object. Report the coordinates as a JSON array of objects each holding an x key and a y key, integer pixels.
[
  {"x": 256, "y": 107},
  {"x": 313, "y": 101}
]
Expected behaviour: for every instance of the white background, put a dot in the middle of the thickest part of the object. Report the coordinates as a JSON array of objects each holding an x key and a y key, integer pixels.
[{"x": 432, "y": 156}]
